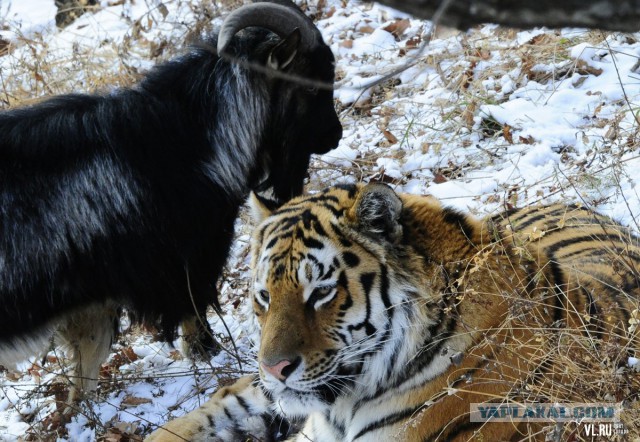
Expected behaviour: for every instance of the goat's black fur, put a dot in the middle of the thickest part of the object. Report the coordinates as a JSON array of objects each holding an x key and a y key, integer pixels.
[{"x": 132, "y": 196}]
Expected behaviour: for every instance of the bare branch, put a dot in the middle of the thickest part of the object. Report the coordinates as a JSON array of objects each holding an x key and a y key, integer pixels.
[{"x": 613, "y": 15}]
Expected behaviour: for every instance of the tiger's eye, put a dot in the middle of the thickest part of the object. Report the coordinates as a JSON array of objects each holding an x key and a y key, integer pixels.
[
  {"x": 322, "y": 292},
  {"x": 264, "y": 296}
]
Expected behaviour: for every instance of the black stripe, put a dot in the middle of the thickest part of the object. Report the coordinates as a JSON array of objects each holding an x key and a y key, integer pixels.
[
  {"x": 315, "y": 260},
  {"x": 366, "y": 279},
  {"x": 351, "y": 259},
  {"x": 344, "y": 283},
  {"x": 601, "y": 237},
  {"x": 273, "y": 242},
  {"x": 388, "y": 420},
  {"x": 559, "y": 282},
  {"x": 243, "y": 403},
  {"x": 367, "y": 284},
  {"x": 349, "y": 188},
  {"x": 309, "y": 242},
  {"x": 328, "y": 274},
  {"x": 384, "y": 290},
  {"x": 338, "y": 233},
  {"x": 339, "y": 426},
  {"x": 294, "y": 206},
  {"x": 522, "y": 218},
  {"x": 452, "y": 216}
]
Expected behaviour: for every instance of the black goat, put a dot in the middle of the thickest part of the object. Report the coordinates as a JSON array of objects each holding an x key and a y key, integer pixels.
[{"x": 129, "y": 199}]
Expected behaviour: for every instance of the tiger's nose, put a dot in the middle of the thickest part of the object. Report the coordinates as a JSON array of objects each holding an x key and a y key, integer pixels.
[{"x": 282, "y": 369}]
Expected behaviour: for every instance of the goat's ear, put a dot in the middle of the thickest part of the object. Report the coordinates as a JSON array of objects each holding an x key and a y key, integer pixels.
[
  {"x": 377, "y": 212},
  {"x": 284, "y": 52},
  {"x": 261, "y": 208}
]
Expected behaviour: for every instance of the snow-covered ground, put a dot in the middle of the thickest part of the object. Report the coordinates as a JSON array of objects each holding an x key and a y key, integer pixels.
[{"x": 486, "y": 118}]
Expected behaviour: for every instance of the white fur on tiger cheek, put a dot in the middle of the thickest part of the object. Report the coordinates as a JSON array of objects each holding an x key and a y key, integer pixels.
[{"x": 409, "y": 338}]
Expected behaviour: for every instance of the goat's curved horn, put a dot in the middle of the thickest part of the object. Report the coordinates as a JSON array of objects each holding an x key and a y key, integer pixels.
[{"x": 272, "y": 16}]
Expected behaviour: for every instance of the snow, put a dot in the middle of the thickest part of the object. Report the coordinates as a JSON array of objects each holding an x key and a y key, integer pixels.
[
  {"x": 28, "y": 17},
  {"x": 487, "y": 118}
]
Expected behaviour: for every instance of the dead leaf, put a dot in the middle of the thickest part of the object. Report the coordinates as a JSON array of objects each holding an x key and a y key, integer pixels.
[
  {"x": 130, "y": 354},
  {"x": 585, "y": 139},
  {"x": 163, "y": 10},
  {"x": 482, "y": 53},
  {"x": 527, "y": 140},
  {"x": 597, "y": 109},
  {"x": 468, "y": 114},
  {"x": 54, "y": 421},
  {"x": 583, "y": 68},
  {"x": 578, "y": 82},
  {"x": 491, "y": 199},
  {"x": 133, "y": 401},
  {"x": 366, "y": 29},
  {"x": 330, "y": 12},
  {"x": 438, "y": 178},
  {"x": 348, "y": 43},
  {"x": 398, "y": 27},
  {"x": 121, "y": 432},
  {"x": 612, "y": 132},
  {"x": 413, "y": 42},
  {"x": 13, "y": 375},
  {"x": 382, "y": 177},
  {"x": 540, "y": 39},
  {"x": 5, "y": 46},
  {"x": 135, "y": 29},
  {"x": 389, "y": 136},
  {"x": 506, "y": 133}
]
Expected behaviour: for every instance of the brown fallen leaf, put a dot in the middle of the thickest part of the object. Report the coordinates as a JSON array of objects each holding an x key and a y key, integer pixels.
[
  {"x": 527, "y": 140},
  {"x": 133, "y": 401},
  {"x": 389, "y": 136},
  {"x": 348, "y": 43},
  {"x": 506, "y": 133},
  {"x": 398, "y": 27}
]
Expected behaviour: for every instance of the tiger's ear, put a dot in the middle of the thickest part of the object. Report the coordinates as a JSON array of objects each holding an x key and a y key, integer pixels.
[
  {"x": 261, "y": 208},
  {"x": 377, "y": 211},
  {"x": 284, "y": 52}
]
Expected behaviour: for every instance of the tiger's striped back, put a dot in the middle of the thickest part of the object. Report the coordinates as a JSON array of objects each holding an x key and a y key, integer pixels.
[{"x": 593, "y": 263}]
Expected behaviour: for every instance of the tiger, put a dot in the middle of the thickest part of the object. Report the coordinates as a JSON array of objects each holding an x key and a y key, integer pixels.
[{"x": 384, "y": 316}]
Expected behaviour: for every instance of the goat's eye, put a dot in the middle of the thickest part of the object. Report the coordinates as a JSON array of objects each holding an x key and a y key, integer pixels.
[
  {"x": 263, "y": 297},
  {"x": 322, "y": 295},
  {"x": 312, "y": 90}
]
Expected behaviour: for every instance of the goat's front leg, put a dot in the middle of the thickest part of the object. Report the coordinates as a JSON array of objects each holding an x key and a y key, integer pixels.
[
  {"x": 87, "y": 334},
  {"x": 238, "y": 412},
  {"x": 198, "y": 342}
]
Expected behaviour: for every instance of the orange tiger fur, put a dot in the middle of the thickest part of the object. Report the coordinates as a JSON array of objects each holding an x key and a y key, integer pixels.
[{"x": 384, "y": 316}]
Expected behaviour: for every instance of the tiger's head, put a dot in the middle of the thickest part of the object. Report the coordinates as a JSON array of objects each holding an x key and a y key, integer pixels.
[{"x": 335, "y": 288}]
